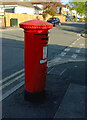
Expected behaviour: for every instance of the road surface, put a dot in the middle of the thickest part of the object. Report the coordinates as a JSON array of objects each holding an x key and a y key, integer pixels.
[{"x": 65, "y": 45}]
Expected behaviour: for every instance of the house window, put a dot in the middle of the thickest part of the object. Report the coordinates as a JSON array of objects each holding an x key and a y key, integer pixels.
[
  {"x": 60, "y": 10},
  {"x": 9, "y": 10}
]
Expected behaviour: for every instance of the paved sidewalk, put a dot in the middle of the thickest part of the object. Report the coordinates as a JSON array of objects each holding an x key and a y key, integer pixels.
[
  {"x": 10, "y": 28},
  {"x": 65, "y": 95}
]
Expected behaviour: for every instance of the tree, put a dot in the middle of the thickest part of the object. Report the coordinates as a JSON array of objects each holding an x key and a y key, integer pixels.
[
  {"x": 25, "y": 0},
  {"x": 80, "y": 7},
  {"x": 50, "y": 8},
  {"x": 44, "y": 15}
]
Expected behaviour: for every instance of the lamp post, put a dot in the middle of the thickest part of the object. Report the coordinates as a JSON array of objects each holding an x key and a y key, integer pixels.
[{"x": 4, "y": 16}]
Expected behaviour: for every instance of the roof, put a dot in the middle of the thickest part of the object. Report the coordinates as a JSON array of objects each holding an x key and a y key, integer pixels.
[
  {"x": 60, "y": 4},
  {"x": 25, "y": 4},
  {"x": 10, "y": 0},
  {"x": 63, "y": 5},
  {"x": 35, "y": 2},
  {"x": 49, "y": 2}
]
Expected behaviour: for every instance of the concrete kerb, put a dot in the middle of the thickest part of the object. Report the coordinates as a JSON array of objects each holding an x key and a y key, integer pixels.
[
  {"x": 64, "y": 62},
  {"x": 84, "y": 33}
]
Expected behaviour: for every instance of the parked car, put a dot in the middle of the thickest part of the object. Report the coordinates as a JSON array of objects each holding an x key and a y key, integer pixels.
[
  {"x": 55, "y": 21},
  {"x": 78, "y": 19}
]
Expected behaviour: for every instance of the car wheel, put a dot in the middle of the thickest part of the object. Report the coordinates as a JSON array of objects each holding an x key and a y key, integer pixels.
[
  {"x": 53, "y": 25},
  {"x": 60, "y": 23},
  {"x": 56, "y": 25}
]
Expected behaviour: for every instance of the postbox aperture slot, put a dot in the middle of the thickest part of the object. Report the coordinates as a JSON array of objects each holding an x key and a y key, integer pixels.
[{"x": 44, "y": 38}]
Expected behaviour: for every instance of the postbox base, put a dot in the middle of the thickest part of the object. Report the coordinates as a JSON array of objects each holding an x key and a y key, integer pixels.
[{"x": 35, "y": 97}]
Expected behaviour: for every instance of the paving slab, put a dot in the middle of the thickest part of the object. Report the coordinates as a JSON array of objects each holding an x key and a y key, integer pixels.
[
  {"x": 10, "y": 28},
  {"x": 73, "y": 104}
]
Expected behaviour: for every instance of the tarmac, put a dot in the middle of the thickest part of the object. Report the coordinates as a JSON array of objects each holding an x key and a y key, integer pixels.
[{"x": 65, "y": 96}]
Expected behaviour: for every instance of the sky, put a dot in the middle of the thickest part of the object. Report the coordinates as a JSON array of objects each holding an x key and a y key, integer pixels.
[{"x": 64, "y": 1}]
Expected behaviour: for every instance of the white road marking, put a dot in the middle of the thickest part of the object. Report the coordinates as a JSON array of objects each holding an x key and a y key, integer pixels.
[
  {"x": 78, "y": 34},
  {"x": 78, "y": 50},
  {"x": 63, "y": 54},
  {"x": 70, "y": 45},
  {"x": 9, "y": 92},
  {"x": 76, "y": 60},
  {"x": 57, "y": 59},
  {"x": 50, "y": 71},
  {"x": 11, "y": 81},
  {"x": 78, "y": 38},
  {"x": 75, "y": 66},
  {"x": 82, "y": 45},
  {"x": 74, "y": 56},
  {"x": 67, "y": 49},
  {"x": 63, "y": 71},
  {"x": 53, "y": 61},
  {"x": 74, "y": 43},
  {"x": 9, "y": 77}
]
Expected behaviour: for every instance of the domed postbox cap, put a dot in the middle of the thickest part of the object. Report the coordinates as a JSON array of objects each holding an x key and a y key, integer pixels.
[{"x": 35, "y": 24}]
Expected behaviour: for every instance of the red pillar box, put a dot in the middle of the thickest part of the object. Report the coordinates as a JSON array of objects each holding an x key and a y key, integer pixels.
[{"x": 35, "y": 57}]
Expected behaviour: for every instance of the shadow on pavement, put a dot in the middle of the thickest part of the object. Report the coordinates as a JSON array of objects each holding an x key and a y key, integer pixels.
[
  {"x": 59, "y": 102},
  {"x": 73, "y": 27},
  {"x": 12, "y": 56},
  {"x": 77, "y": 25}
]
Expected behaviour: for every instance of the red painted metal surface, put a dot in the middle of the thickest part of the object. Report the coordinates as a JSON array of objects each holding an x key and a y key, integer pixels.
[{"x": 35, "y": 54}]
